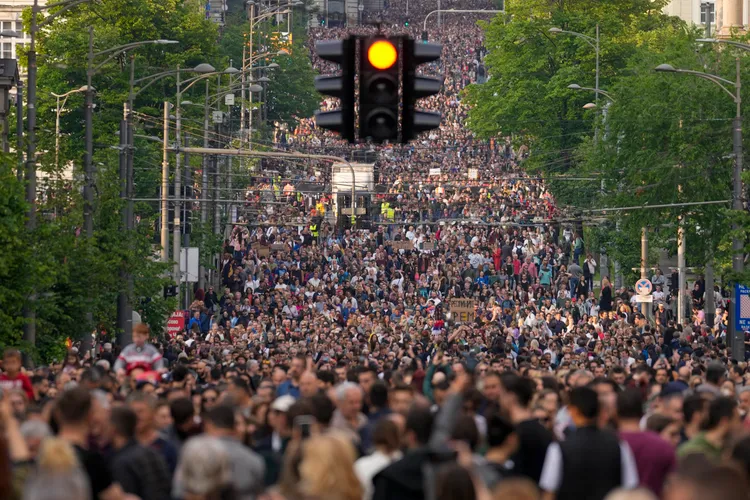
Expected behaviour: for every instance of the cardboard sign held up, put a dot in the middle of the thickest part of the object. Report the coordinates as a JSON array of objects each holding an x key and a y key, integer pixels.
[
  {"x": 402, "y": 245},
  {"x": 428, "y": 245},
  {"x": 261, "y": 250},
  {"x": 462, "y": 309},
  {"x": 279, "y": 247}
]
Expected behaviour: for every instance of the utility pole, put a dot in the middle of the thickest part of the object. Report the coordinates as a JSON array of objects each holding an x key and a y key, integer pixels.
[
  {"x": 738, "y": 252},
  {"x": 19, "y": 128},
  {"x": 124, "y": 316},
  {"x": 644, "y": 265},
  {"x": 165, "y": 188},
  {"x": 204, "y": 187},
  {"x": 88, "y": 164},
  {"x": 177, "y": 224},
  {"x": 29, "y": 309}
]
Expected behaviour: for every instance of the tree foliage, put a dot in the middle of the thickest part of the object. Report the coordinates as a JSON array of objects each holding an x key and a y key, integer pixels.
[
  {"x": 664, "y": 138},
  {"x": 530, "y": 69},
  {"x": 73, "y": 277}
]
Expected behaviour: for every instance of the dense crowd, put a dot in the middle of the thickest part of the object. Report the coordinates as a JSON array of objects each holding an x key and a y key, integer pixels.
[{"x": 469, "y": 347}]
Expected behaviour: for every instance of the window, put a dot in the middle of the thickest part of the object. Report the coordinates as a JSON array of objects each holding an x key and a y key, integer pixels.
[
  {"x": 708, "y": 8},
  {"x": 7, "y": 26},
  {"x": 19, "y": 27},
  {"x": 7, "y": 51}
]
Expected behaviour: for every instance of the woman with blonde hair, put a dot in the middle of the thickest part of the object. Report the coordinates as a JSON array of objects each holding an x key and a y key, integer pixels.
[
  {"x": 58, "y": 475},
  {"x": 327, "y": 469}
]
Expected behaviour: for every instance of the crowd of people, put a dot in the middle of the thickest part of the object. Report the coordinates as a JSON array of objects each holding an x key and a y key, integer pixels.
[{"x": 467, "y": 345}]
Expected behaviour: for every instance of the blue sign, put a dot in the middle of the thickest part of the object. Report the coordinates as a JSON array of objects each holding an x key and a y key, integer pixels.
[
  {"x": 741, "y": 308},
  {"x": 643, "y": 286}
]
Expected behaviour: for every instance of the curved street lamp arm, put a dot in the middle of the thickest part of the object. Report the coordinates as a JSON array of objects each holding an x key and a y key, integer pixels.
[
  {"x": 589, "y": 39},
  {"x": 153, "y": 79},
  {"x": 258, "y": 57},
  {"x": 116, "y": 51},
  {"x": 264, "y": 15},
  {"x": 712, "y": 78},
  {"x": 743, "y": 46},
  {"x": 192, "y": 81},
  {"x": 66, "y": 6},
  {"x": 66, "y": 94},
  {"x": 600, "y": 91}
]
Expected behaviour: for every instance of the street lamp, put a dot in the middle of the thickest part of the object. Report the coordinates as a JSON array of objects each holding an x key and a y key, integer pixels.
[
  {"x": 593, "y": 41},
  {"x": 575, "y": 86},
  {"x": 58, "y": 109},
  {"x": 737, "y": 338},
  {"x": 124, "y": 313},
  {"x": 741, "y": 45},
  {"x": 183, "y": 86},
  {"x": 91, "y": 70},
  {"x": 248, "y": 65}
]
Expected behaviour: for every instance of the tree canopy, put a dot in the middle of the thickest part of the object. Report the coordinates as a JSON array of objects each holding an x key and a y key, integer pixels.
[{"x": 658, "y": 139}]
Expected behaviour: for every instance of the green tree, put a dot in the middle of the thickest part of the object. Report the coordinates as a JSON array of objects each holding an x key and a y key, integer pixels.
[
  {"x": 669, "y": 141},
  {"x": 74, "y": 276},
  {"x": 530, "y": 68},
  {"x": 291, "y": 93}
]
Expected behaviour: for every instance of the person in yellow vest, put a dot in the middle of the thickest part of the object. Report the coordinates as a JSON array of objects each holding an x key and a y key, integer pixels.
[{"x": 314, "y": 229}]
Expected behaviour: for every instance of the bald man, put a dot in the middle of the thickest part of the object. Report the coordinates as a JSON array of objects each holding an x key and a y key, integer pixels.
[{"x": 309, "y": 385}]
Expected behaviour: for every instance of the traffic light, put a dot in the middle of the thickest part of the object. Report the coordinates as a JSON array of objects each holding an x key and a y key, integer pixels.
[
  {"x": 406, "y": 23},
  {"x": 170, "y": 291},
  {"x": 416, "y": 87},
  {"x": 341, "y": 52},
  {"x": 378, "y": 88}
]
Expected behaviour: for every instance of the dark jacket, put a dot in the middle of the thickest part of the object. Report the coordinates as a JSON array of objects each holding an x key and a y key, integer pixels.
[
  {"x": 142, "y": 472},
  {"x": 592, "y": 465},
  {"x": 404, "y": 479}
]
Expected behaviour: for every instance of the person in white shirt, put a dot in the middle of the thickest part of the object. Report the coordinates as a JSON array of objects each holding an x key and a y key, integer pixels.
[{"x": 386, "y": 440}]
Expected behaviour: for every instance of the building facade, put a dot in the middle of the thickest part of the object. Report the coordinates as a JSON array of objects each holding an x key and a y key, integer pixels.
[
  {"x": 10, "y": 20},
  {"x": 722, "y": 17}
]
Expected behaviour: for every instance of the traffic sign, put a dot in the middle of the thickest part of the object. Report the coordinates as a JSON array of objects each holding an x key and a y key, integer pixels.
[
  {"x": 643, "y": 286},
  {"x": 742, "y": 308},
  {"x": 176, "y": 324},
  {"x": 644, "y": 298}
]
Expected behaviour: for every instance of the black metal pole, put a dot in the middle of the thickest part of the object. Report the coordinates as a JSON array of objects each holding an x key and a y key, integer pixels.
[
  {"x": 738, "y": 253},
  {"x": 88, "y": 168},
  {"x": 122, "y": 295},
  {"x": 29, "y": 310},
  {"x": 19, "y": 128}
]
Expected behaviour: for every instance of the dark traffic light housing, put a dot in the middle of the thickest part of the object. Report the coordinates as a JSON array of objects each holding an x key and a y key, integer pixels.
[
  {"x": 379, "y": 59},
  {"x": 341, "y": 52},
  {"x": 417, "y": 87},
  {"x": 389, "y": 87}
]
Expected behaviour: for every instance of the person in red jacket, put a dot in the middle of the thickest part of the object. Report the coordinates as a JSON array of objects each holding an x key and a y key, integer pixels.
[{"x": 12, "y": 378}]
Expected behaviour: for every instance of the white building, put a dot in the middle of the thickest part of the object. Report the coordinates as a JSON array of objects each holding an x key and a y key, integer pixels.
[
  {"x": 10, "y": 20},
  {"x": 696, "y": 12},
  {"x": 725, "y": 15}
]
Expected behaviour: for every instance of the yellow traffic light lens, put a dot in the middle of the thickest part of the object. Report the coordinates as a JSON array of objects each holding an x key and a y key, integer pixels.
[{"x": 382, "y": 54}]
